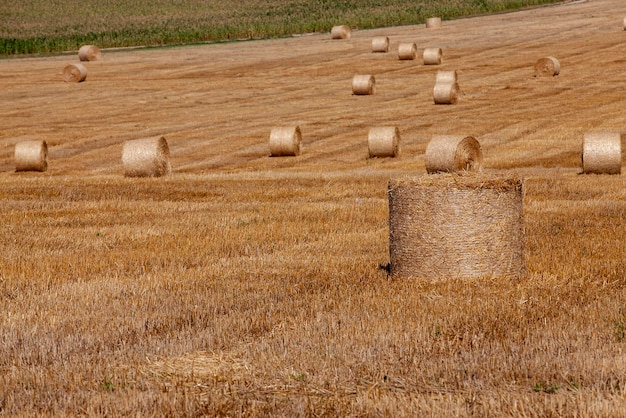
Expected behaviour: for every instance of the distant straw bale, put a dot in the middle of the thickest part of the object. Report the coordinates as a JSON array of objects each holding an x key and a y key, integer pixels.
[
  {"x": 383, "y": 142},
  {"x": 31, "y": 156},
  {"x": 547, "y": 67},
  {"x": 407, "y": 51},
  {"x": 602, "y": 153},
  {"x": 450, "y": 226},
  {"x": 285, "y": 141},
  {"x": 446, "y": 93},
  {"x": 340, "y": 32},
  {"x": 432, "y": 56},
  {"x": 75, "y": 73},
  {"x": 451, "y": 153},
  {"x": 147, "y": 157},
  {"x": 433, "y": 22},
  {"x": 380, "y": 44},
  {"x": 89, "y": 53},
  {"x": 363, "y": 84}
]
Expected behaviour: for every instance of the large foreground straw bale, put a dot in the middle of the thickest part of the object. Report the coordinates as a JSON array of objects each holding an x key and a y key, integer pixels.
[
  {"x": 89, "y": 53},
  {"x": 363, "y": 84},
  {"x": 147, "y": 157},
  {"x": 285, "y": 141},
  {"x": 74, "y": 73},
  {"x": 380, "y": 44},
  {"x": 31, "y": 156},
  {"x": 456, "y": 227},
  {"x": 407, "y": 51},
  {"x": 446, "y": 93},
  {"x": 340, "y": 32},
  {"x": 602, "y": 153},
  {"x": 547, "y": 67},
  {"x": 432, "y": 56},
  {"x": 433, "y": 22},
  {"x": 451, "y": 153},
  {"x": 383, "y": 142}
]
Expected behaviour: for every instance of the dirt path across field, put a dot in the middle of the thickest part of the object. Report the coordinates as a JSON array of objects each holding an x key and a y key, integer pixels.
[{"x": 217, "y": 103}]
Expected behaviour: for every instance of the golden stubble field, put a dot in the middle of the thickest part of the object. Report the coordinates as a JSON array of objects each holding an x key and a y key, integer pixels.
[{"x": 249, "y": 285}]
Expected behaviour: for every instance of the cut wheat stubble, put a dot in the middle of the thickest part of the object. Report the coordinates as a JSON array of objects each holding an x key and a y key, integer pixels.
[
  {"x": 363, "y": 85},
  {"x": 451, "y": 226},
  {"x": 452, "y": 153},
  {"x": 31, "y": 156},
  {"x": 602, "y": 153},
  {"x": 285, "y": 141},
  {"x": 383, "y": 142},
  {"x": 146, "y": 157},
  {"x": 74, "y": 73},
  {"x": 89, "y": 53}
]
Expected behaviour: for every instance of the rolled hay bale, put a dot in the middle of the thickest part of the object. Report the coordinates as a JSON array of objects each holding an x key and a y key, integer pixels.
[
  {"x": 446, "y": 77},
  {"x": 75, "y": 73},
  {"x": 285, "y": 141},
  {"x": 380, "y": 44},
  {"x": 452, "y": 153},
  {"x": 363, "y": 84},
  {"x": 340, "y": 32},
  {"x": 602, "y": 153},
  {"x": 446, "y": 93},
  {"x": 31, "y": 156},
  {"x": 146, "y": 157},
  {"x": 433, "y": 22},
  {"x": 407, "y": 51},
  {"x": 383, "y": 142},
  {"x": 450, "y": 226},
  {"x": 547, "y": 67},
  {"x": 625, "y": 23},
  {"x": 89, "y": 53},
  {"x": 432, "y": 56}
]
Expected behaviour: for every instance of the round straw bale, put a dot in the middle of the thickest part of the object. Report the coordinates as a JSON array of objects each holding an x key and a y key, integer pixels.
[
  {"x": 383, "y": 142},
  {"x": 380, "y": 44},
  {"x": 547, "y": 67},
  {"x": 446, "y": 77},
  {"x": 146, "y": 157},
  {"x": 450, "y": 153},
  {"x": 446, "y": 93},
  {"x": 285, "y": 141},
  {"x": 432, "y": 56},
  {"x": 433, "y": 22},
  {"x": 625, "y": 23},
  {"x": 89, "y": 53},
  {"x": 452, "y": 226},
  {"x": 74, "y": 73},
  {"x": 407, "y": 51},
  {"x": 31, "y": 156},
  {"x": 602, "y": 153},
  {"x": 340, "y": 32},
  {"x": 363, "y": 84}
]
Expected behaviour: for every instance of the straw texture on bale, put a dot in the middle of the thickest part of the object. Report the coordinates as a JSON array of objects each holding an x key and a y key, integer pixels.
[
  {"x": 380, "y": 44},
  {"x": 444, "y": 77},
  {"x": 602, "y": 153},
  {"x": 433, "y": 22},
  {"x": 407, "y": 51},
  {"x": 456, "y": 227},
  {"x": 383, "y": 142},
  {"x": 547, "y": 67},
  {"x": 363, "y": 84},
  {"x": 74, "y": 73},
  {"x": 340, "y": 32},
  {"x": 446, "y": 93},
  {"x": 89, "y": 53},
  {"x": 451, "y": 153},
  {"x": 432, "y": 56},
  {"x": 624, "y": 23},
  {"x": 31, "y": 156},
  {"x": 146, "y": 157},
  {"x": 285, "y": 141}
]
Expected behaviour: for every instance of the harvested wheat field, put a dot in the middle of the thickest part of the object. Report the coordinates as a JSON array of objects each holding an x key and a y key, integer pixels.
[{"x": 241, "y": 284}]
